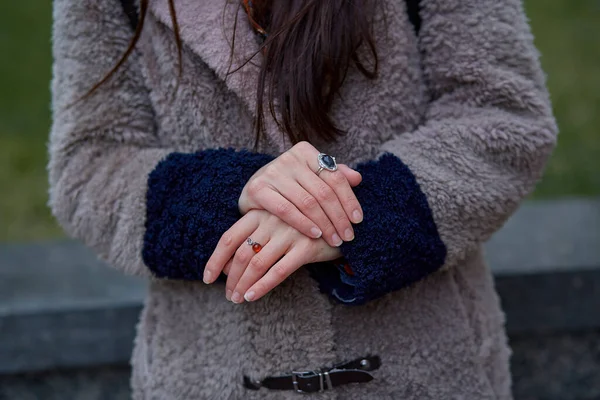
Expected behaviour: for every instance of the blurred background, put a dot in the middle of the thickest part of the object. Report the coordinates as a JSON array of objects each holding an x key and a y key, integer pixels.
[{"x": 550, "y": 336}]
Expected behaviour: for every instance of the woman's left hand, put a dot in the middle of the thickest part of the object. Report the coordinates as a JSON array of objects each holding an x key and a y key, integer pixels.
[{"x": 282, "y": 251}]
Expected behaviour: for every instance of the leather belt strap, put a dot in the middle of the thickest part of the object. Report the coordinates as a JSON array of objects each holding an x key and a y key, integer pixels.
[{"x": 354, "y": 371}]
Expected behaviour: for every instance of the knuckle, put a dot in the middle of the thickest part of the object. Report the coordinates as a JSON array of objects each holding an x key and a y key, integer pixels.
[
  {"x": 303, "y": 145},
  {"x": 329, "y": 229},
  {"x": 254, "y": 186},
  {"x": 351, "y": 200},
  {"x": 309, "y": 202},
  {"x": 337, "y": 178},
  {"x": 283, "y": 209},
  {"x": 279, "y": 271},
  {"x": 287, "y": 158},
  {"x": 342, "y": 220},
  {"x": 257, "y": 264},
  {"x": 242, "y": 257},
  {"x": 227, "y": 239},
  {"x": 271, "y": 171},
  {"x": 325, "y": 193}
]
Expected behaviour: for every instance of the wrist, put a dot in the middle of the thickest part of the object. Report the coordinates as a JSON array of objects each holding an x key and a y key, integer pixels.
[
  {"x": 330, "y": 254},
  {"x": 338, "y": 254}
]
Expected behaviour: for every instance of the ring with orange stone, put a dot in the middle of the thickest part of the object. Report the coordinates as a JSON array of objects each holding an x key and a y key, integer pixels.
[{"x": 256, "y": 247}]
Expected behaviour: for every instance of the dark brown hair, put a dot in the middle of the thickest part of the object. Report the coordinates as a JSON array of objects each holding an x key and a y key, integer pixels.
[{"x": 309, "y": 48}]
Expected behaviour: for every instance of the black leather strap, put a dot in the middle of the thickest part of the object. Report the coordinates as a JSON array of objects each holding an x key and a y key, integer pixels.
[
  {"x": 354, "y": 371},
  {"x": 369, "y": 363}
]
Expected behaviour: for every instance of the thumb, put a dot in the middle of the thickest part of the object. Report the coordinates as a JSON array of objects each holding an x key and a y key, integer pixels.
[{"x": 354, "y": 177}]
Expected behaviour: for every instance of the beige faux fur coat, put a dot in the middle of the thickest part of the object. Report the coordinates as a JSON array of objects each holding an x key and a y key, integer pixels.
[{"x": 464, "y": 112}]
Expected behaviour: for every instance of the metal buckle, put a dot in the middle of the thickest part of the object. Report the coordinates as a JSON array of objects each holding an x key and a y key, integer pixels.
[
  {"x": 328, "y": 379},
  {"x": 310, "y": 374},
  {"x": 295, "y": 375}
]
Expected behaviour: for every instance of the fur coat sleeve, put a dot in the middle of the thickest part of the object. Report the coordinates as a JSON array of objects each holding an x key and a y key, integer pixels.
[
  {"x": 435, "y": 194},
  {"x": 143, "y": 207},
  {"x": 430, "y": 199}
]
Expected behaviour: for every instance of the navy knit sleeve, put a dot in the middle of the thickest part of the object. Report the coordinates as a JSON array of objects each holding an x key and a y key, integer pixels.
[
  {"x": 192, "y": 200},
  {"x": 396, "y": 244}
]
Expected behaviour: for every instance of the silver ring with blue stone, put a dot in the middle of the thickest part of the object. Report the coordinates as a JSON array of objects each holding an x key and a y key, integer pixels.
[{"x": 326, "y": 162}]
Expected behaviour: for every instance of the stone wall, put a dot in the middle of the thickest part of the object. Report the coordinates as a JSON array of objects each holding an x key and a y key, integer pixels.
[{"x": 67, "y": 321}]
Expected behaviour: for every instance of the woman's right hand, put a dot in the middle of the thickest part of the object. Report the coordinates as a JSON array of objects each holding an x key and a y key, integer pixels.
[{"x": 315, "y": 205}]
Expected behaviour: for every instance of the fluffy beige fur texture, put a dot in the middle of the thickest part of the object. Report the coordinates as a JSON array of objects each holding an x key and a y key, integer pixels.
[{"x": 464, "y": 106}]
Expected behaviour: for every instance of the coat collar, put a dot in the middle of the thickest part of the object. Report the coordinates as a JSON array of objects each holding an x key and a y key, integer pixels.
[{"x": 206, "y": 27}]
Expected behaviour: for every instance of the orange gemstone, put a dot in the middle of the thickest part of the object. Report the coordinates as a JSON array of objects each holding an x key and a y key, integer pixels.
[{"x": 256, "y": 247}]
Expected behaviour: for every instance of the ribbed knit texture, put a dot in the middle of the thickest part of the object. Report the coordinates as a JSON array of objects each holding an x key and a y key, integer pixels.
[
  {"x": 397, "y": 243},
  {"x": 192, "y": 200}
]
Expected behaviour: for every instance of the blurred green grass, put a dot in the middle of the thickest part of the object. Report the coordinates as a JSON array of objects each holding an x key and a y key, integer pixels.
[
  {"x": 567, "y": 34},
  {"x": 25, "y": 64}
]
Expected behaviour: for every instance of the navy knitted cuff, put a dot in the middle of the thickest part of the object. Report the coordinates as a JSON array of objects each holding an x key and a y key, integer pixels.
[
  {"x": 192, "y": 200},
  {"x": 397, "y": 243}
]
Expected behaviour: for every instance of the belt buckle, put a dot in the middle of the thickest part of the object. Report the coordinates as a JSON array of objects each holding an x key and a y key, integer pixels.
[{"x": 323, "y": 378}]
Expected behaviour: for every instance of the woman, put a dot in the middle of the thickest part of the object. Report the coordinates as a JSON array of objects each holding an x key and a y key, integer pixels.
[{"x": 447, "y": 128}]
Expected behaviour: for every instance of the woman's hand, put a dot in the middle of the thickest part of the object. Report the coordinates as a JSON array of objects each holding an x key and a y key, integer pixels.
[
  {"x": 317, "y": 205},
  {"x": 251, "y": 275}
]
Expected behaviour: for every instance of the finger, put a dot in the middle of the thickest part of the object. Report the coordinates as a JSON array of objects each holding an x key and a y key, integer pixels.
[
  {"x": 279, "y": 272},
  {"x": 261, "y": 262},
  {"x": 340, "y": 185},
  {"x": 330, "y": 203},
  {"x": 227, "y": 267},
  {"x": 308, "y": 205},
  {"x": 280, "y": 206},
  {"x": 228, "y": 244},
  {"x": 354, "y": 177},
  {"x": 240, "y": 262}
]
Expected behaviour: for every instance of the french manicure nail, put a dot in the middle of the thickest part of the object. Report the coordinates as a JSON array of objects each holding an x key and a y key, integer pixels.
[
  {"x": 349, "y": 234},
  {"x": 316, "y": 232},
  {"x": 357, "y": 215},
  {"x": 228, "y": 294},
  {"x": 249, "y": 296},
  {"x": 207, "y": 276},
  {"x": 336, "y": 240},
  {"x": 236, "y": 298}
]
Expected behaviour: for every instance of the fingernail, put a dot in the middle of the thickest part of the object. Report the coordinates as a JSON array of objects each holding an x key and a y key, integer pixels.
[
  {"x": 228, "y": 294},
  {"x": 207, "y": 276},
  {"x": 357, "y": 215},
  {"x": 336, "y": 240},
  {"x": 349, "y": 234},
  {"x": 249, "y": 296},
  {"x": 236, "y": 298},
  {"x": 316, "y": 232}
]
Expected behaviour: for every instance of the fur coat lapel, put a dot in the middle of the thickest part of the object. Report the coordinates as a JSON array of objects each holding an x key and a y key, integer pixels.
[
  {"x": 213, "y": 43},
  {"x": 206, "y": 28}
]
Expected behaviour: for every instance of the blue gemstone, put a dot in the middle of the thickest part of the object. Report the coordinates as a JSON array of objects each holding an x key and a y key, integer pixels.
[{"x": 328, "y": 161}]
